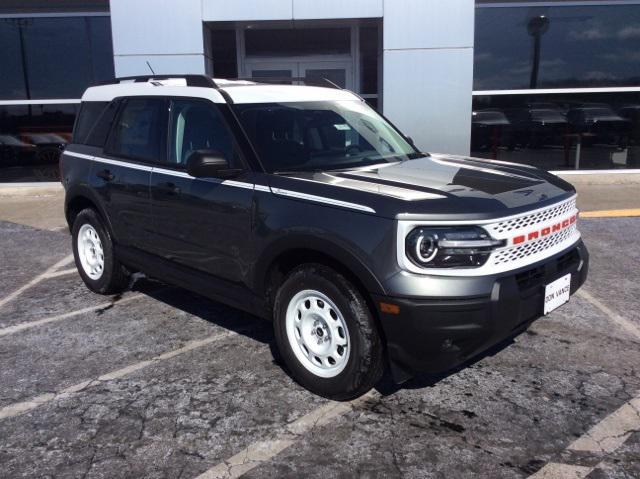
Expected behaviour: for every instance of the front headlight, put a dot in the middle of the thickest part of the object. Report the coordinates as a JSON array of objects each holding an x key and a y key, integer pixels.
[{"x": 449, "y": 247}]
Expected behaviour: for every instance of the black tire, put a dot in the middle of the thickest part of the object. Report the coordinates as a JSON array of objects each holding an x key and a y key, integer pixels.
[
  {"x": 365, "y": 363},
  {"x": 114, "y": 279}
]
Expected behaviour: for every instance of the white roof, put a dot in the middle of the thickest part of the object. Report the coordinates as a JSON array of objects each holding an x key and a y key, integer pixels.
[
  {"x": 240, "y": 91},
  {"x": 266, "y": 93}
]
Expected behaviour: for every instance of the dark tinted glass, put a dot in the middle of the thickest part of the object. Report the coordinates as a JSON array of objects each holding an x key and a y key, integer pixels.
[
  {"x": 98, "y": 135},
  {"x": 302, "y": 41},
  {"x": 579, "y": 46},
  {"x": 32, "y": 138},
  {"x": 224, "y": 53},
  {"x": 369, "y": 44},
  {"x": 545, "y": 130},
  {"x": 53, "y": 57},
  {"x": 140, "y": 129},
  {"x": 197, "y": 125},
  {"x": 90, "y": 111},
  {"x": 323, "y": 135}
]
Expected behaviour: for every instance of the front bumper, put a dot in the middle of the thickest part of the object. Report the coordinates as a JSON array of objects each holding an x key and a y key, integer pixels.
[{"x": 438, "y": 334}]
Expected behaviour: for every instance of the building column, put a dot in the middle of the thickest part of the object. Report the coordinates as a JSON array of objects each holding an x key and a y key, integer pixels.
[
  {"x": 428, "y": 71},
  {"x": 166, "y": 33}
]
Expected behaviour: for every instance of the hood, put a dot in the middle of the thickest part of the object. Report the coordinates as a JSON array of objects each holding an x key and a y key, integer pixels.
[{"x": 437, "y": 187}]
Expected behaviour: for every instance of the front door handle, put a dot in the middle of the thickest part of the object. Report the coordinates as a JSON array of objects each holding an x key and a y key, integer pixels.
[
  {"x": 169, "y": 188},
  {"x": 106, "y": 175}
]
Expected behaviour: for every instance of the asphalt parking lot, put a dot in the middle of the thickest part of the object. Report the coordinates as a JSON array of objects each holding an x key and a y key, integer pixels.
[{"x": 159, "y": 382}]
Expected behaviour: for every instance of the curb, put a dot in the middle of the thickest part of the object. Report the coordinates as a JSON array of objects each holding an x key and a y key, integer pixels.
[
  {"x": 30, "y": 189},
  {"x": 626, "y": 213}
]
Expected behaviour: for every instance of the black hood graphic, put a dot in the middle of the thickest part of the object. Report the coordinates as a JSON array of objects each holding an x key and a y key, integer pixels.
[{"x": 438, "y": 186}]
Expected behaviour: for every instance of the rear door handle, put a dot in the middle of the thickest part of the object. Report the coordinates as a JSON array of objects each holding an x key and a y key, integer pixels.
[
  {"x": 106, "y": 175},
  {"x": 169, "y": 188}
]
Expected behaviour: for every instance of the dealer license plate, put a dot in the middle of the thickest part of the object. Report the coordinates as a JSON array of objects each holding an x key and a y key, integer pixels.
[{"x": 557, "y": 293}]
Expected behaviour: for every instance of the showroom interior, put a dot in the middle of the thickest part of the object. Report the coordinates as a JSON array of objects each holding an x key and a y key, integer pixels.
[{"x": 553, "y": 84}]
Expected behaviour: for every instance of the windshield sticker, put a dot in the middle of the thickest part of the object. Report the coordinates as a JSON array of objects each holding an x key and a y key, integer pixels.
[{"x": 342, "y": 126}]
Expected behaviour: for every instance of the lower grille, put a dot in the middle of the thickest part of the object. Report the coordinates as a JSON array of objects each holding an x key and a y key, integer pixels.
[{"x": 538, "y": 276}]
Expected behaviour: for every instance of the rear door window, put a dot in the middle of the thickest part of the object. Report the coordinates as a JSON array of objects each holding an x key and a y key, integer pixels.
[{"x": 139, "y": 132}]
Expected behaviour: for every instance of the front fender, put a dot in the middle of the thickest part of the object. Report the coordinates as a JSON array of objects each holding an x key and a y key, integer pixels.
[{"x": 321, "y": 245}]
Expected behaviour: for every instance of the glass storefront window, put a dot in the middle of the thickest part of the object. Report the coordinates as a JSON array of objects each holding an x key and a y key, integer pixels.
[
  {"x": 559, "y": 131},
  {"x": 577, "y": 46},
  {"x": 32, "y": 138},
  {"x": 46, "y": 58},
  {"x": 57, "y": 57},
  {"x": 298, "y": 41}
]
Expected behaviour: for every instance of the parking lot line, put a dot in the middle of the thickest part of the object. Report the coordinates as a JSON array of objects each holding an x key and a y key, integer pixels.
[
  {"x": 611, "y": 213},
  {"x": 51, "y": 319},
  {"x": 603, "y": 438},
  {"x": 63, "y": 272},
  {"x": 555, "y": 470},
  {"x": 629, "y": 326},
  {"x": 63, "y": 262},
  {"x": 260, "y": 452},
  {"x": 16, "y": 409},
  {"x": 610, "y": 433}
]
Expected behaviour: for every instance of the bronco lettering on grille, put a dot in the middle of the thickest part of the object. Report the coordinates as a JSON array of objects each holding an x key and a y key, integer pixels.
[{"x": 533, "y": 235}]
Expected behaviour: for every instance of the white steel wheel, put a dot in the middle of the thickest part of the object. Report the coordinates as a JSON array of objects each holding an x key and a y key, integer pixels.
[
  {"x": 317, "y": 333},
  {"x": 90, "y": 251}
]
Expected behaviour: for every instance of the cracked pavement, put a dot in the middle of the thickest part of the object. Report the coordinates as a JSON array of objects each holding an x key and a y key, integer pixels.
[{"x": 136, "y": 389}]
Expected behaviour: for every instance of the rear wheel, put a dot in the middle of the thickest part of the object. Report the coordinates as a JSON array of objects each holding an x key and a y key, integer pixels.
[
  {"x": 326, "y": 333},
  {"x": 94, "y": 255}
]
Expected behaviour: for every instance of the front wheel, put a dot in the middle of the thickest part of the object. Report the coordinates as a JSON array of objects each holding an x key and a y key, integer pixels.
[{"x": 326, "y": 333}]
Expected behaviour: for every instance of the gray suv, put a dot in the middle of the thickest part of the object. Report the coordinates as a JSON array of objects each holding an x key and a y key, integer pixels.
[{"x": 302, "y": 205}]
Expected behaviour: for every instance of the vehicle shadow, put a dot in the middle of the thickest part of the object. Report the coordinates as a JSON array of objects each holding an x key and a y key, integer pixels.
[
  {"x": 261, "y": 330},
  {"x": 387, "y": 386},
  {"x": 206, "y": 309}
]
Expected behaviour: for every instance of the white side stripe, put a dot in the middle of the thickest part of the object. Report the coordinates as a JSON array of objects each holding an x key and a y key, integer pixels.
[
  {"x": 100, "y": 159},
  {"x": 165, "y": 171},
  {"x": 236, "y": 184},
  {"x": 79, "y": 155},
  {"x": 322, "y": 199}
]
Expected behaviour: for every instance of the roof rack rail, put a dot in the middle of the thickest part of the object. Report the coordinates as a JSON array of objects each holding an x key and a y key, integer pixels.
[
  {"x": 191, "y": 79},
  {"x": 324, "y": 82}
]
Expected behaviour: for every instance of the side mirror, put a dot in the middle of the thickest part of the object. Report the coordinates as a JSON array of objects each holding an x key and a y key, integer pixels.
[
  {"x": 410, "y": 140},
  {"x": 209, "y": 164}
]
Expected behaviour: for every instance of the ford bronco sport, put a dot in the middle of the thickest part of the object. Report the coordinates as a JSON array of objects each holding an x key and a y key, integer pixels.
[{"x": 302, "y": 205}]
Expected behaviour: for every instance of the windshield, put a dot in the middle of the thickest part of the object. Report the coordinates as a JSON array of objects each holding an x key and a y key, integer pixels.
[{"x": 326, "y": 135}]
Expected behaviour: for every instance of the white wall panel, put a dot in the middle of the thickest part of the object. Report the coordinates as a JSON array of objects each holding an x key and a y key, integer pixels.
[
  {"x": 315, "y": 9},
  {"x": 246, "y": 10},
  {"x": 427, "y": 94},
  {"x": 130, "y": 65},
  {"x": 156, "y": 26},
  {"x": 428, "y": 23}
]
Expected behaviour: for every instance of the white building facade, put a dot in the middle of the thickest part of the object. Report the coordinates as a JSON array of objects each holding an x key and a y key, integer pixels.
[{"x": 423, "y": 48}]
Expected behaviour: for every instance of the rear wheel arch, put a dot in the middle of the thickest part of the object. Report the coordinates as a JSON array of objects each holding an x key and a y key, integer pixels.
[{"x": 78, "y": 201}]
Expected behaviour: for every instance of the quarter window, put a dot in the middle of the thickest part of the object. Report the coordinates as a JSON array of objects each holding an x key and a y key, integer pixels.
[
  {"x": 89, "y": 114},
  {"x": 140, "y": 130}
]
